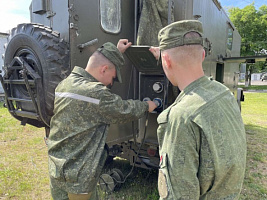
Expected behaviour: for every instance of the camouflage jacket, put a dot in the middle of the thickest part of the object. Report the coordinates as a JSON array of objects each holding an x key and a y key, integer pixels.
[
  {"x": 202, "y": 144},
  {"x": 83, "y": 109}
]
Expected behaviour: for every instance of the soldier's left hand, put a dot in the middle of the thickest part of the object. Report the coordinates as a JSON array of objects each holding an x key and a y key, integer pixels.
[
  {"x": 155, "y": 51},
  {"x": 123, "y": 44}
]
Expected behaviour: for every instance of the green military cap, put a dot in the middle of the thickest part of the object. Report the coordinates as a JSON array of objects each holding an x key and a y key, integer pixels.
[
  {"x": 111, "y": 52},
  {"x": 173, "y": 35}
]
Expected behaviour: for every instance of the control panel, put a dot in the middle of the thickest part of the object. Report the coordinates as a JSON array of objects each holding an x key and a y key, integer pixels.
[{"x": 153, "y": 88}]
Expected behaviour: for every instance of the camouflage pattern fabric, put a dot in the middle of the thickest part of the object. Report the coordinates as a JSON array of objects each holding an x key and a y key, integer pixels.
[
  {"x": 154, "y": 16},
  {"x": 60, "y": 194},
  {"x": 202, "y": 144},
  {"x": 83, "y": 109},
  {"x": 173, "y": 35},
  {"x": 111, "y": 52}
]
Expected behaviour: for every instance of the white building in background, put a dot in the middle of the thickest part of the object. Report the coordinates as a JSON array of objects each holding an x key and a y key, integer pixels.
[
  {"x": 3, "y": 40},
  {"x": 255, "y": 76},
  {"x": 242, "y": 72},
  {"x": 242, "y": 75}
]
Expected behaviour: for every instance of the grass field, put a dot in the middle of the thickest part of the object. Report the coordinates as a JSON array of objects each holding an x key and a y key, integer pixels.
[
  {"x": 254, "y": 87},
  {"x": 23, "y": 160},
  {"x": 254, "y": 112}
]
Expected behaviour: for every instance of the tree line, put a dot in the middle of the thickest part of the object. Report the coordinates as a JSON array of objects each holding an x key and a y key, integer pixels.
[{"x": 252, "y": 27}]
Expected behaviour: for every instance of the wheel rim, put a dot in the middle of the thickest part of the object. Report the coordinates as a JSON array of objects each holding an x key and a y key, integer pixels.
[{"x": 34, "y": 63}]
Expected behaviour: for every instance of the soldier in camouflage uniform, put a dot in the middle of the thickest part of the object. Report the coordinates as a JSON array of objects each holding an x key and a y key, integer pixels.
[
  {"x": 84, "y": 108},
  {"x": 201, "y": 135}
]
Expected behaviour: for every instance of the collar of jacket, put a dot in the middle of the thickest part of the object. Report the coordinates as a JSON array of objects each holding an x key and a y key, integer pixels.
[
  {"x": 80, "y": 71},
  {"x": 202, "y": 80}
]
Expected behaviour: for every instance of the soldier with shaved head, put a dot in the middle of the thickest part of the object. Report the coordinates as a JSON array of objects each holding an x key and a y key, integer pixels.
[
  {"x": 202, "y": 140},
  {"x": 84, "y": 108}
]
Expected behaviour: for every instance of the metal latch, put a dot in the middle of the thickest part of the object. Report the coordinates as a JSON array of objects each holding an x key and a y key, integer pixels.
[{"x": 73, "y": 26}]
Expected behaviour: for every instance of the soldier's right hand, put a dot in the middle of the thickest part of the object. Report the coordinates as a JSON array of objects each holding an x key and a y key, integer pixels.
[
  {"x": 152, "y": 106},
  {"x": 123, "y": 44}
]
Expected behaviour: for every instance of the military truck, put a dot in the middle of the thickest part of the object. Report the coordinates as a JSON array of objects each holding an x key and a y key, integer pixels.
[{"x": 63, "y": 34}]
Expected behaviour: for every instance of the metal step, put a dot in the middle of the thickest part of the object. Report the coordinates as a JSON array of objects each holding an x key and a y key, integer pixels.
[
  {"x": 26, "y": 114},
  {"x": 18, "y": 82},
  {"x": 20, "y": 100}
]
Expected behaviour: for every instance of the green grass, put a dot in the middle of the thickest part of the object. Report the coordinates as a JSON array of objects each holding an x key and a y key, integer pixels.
[
  {"x": 141, "y": 184},
  {"x": 254, "y": 87},
  {"x": 23, "y": 160},
  {"x": 254, "y": 113}
]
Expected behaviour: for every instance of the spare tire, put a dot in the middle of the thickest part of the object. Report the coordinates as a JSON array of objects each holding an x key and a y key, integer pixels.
[{"x": 46, "y": 53}]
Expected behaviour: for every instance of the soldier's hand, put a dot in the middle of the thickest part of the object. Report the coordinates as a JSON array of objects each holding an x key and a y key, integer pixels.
[
  {"x": 152, "y": 106},
  {"x": 123, "y": 44},
  {"x": 155, "y": 51}
]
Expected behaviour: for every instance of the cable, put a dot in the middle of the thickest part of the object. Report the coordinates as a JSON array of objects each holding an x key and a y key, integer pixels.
[
  {"x": 137, "y": 152},
  {"x": 129, "y": 87}
]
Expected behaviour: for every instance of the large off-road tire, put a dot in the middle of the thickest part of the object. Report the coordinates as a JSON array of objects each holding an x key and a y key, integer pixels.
[{"x": 46, "y": 53}]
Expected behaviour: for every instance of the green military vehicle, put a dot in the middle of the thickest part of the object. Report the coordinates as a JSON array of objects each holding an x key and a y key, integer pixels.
[{"x": 63, "y": 34}]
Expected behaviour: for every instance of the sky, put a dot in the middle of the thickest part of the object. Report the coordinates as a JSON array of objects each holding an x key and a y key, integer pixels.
[
  {"x": 13, "y": 12},
  {"x": 242, "y": 3}
]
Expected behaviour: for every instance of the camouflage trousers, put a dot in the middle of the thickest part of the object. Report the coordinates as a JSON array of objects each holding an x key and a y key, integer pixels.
[{"x": 60, "y": 194}]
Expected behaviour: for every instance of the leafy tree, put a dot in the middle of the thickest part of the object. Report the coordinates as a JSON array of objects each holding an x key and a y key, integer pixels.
[{"x": 252, "y": 26}]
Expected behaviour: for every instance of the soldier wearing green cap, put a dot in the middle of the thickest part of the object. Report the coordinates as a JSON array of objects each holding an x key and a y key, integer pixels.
[
  {"x": 84, "y": 108},
  {"x": 201, "y": 136}
]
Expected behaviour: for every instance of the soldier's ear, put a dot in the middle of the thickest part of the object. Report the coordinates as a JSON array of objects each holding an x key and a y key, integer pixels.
[
  {"x": 166, "y": 62},
  {"x": 103, "y": 69},
  {"x": 203, "y": 55}
]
